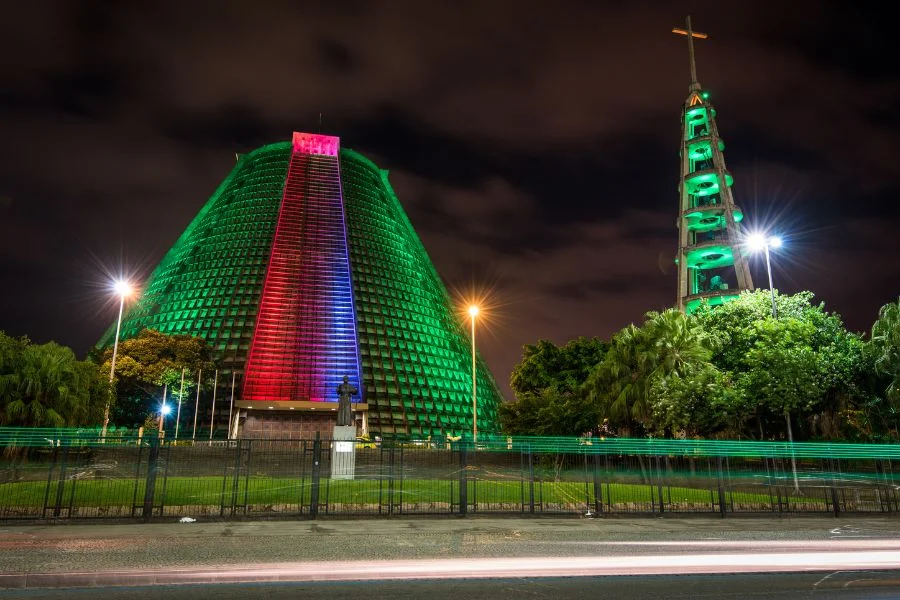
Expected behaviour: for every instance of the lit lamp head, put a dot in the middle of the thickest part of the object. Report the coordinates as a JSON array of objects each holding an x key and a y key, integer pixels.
[
  {"x": 759, "y": 241},
  {"x": 473, "y": 311},
  {"x": 122, "y": 288},
  {"x": 756, "y": 242},
  {"x": 165, "y": 409}
]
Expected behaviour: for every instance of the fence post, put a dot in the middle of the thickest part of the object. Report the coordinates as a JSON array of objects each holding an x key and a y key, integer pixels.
[
  {"x": 316, "y": 472},
  {"x": 391, "y": 475},
  {"x": 400, "y": 479},
  {"x": 61, "y": 483},
  {"x": 531, "y": 480},
  {"x": 50, "y": 481},
  {"x": 463, "y": 479},
  {"x": 598, "y": 488},
  {"x": 721, "y": 486},
  {"x": 236, "y": 476},
  {"x": 662, "y": 504},
  {"x": 884, "y": 490},
  {"x": 381, "y": 478},
  {"x": 150, "y": 487},
  {"x": 835, "y": 502},
  {"x": 889, "y": 473}
]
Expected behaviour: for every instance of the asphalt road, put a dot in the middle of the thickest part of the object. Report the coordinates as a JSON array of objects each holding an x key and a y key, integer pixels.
[
  {"x": 443, "y": 558},
  {"x": 832, "y": 586}
]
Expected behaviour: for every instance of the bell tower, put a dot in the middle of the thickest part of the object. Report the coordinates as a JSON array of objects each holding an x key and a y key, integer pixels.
[{"x": 711, "y": 265}]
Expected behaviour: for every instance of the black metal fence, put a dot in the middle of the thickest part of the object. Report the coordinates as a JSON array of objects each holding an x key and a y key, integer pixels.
[{"x": 151, "y": 479}]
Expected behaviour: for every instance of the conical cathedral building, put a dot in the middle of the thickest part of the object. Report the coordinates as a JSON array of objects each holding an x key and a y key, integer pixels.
[{"x": 303, "y": 268}]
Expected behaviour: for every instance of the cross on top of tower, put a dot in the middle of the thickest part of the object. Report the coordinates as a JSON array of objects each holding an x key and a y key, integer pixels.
[{"x": 691, "y": 34}]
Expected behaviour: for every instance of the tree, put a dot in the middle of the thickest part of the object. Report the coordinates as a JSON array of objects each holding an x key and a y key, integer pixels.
[
  {"x": 148, "y": 362},
  {"x": 731, "y": 325},
  {"x": 46, "y": 386},
  {"x": 669, "y": 343},
  {"x": 548, "y": 413},
  {"x": 885, "y": 348},
  {"x": 620, "y": 384},
  {"x": 782, "y": 372},
  {"x": 559, "y": 368},
  {"x": 547, "y": 386},
  {"x": 804, "y": 362},
  {"x": 699, "y": 402}
]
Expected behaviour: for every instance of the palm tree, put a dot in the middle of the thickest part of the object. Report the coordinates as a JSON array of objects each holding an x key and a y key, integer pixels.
[
  {"x": 44, "y": 389},
  {"x": 668, "y": 343},
  {"x": 679, "y": 342},
  {"x": 619, "y": 383},
  {"x": 886, "y": 344}
]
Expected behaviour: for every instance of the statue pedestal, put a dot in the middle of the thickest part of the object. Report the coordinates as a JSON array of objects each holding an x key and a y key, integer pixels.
[{"x": 343, "y": 452}]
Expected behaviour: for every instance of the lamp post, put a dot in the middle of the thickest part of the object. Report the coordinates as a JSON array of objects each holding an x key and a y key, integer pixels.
[
  {"x": 473, "y": 312},
  {"x": 180, "y": 398},
  {"x": 122, "y": 289},
  {"x": 757, "y": 242}
]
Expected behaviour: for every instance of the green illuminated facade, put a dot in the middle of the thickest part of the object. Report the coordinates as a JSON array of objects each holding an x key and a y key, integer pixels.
[
  {"x": 302, "y": 268},
  {"x": 711, "y": 265},
  {"x": 209, "y": 284},
  {"x": 416, "y": 358}
]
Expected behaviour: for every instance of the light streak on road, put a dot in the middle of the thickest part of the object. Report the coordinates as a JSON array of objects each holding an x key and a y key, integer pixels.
[
  {"x": 757, "y": 557},
  {"x": 583, "y": 566}
]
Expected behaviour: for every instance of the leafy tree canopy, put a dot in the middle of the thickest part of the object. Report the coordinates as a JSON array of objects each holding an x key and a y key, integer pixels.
[
  {"x": 701, "y": 401},
  {"x": 726, "y": 371},
  {"x": 547, "y": 386},
  {"x": 154, "y": 358},
  {"x": 146, "y": 363},
  {"x": 546, "y": 366},
  {"x": 804, "y": 362},
  {"x": 44, "y": 385}
]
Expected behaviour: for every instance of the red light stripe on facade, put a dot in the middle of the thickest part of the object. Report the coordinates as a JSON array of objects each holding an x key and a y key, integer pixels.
[{"x": 305, "y": 337}]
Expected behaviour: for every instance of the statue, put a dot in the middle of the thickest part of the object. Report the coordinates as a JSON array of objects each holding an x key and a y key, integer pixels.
[{"x": 345, "y": 412}]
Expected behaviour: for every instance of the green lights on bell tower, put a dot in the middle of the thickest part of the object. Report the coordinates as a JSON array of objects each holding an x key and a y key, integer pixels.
[{"x": 711, "y": 266}]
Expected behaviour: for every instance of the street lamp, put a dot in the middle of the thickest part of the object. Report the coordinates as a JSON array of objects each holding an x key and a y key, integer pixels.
[
  {"x": 757, "y": 242},
  {"x": 122, "y": 289},
  {"x": 473, "y": 312},
  {"x": 164, "y": 409}
]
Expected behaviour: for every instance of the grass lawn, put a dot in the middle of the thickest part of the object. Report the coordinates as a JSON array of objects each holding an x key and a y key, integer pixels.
[{"x": 181, "y": 491}]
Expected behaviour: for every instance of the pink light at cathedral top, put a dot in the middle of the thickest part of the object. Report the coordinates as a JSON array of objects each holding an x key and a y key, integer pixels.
[{"x": 313, "y": 143}]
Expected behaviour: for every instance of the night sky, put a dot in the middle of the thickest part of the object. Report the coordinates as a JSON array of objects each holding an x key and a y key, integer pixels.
[{"x": 533, "y": 144}]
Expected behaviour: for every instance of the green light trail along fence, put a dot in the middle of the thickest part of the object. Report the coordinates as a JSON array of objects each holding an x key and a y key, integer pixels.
[{"x": 64, "y": 474}]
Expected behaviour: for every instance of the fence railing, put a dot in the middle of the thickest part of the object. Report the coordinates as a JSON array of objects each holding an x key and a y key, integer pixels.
[{"x": 81, "y": 476}]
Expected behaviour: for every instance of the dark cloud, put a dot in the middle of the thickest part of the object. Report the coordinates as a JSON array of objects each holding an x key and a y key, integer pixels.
[
  {"x": 533, "y": 144},
  {"x": 337, "y": 56},
  {"x": 234, "y": 126}
]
